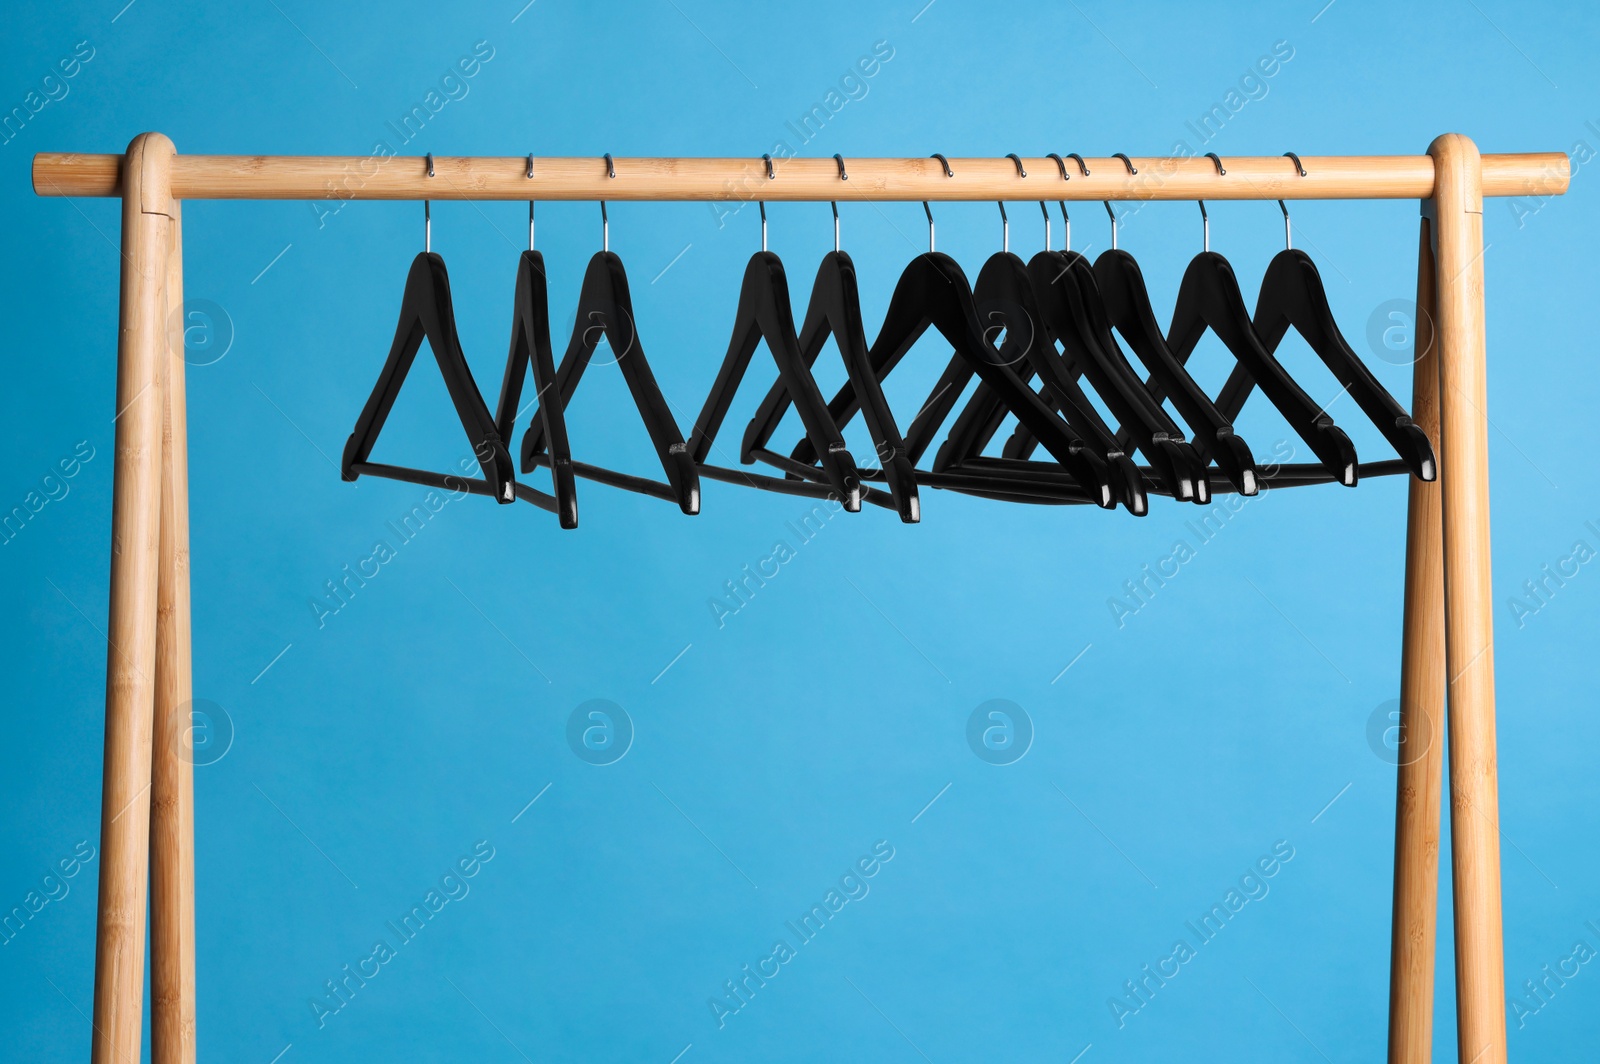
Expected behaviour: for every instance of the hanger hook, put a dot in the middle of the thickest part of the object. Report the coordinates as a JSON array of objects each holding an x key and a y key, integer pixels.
[
  {"x": 1214, "y": 157},
  {"x": 928, "y": 211},
  {"x": 605, "y": 220},
  {"x": 1125, "y": 162},
  {"x": 1287, "y": 243},
  {"x": 1014, "y": 157},
  {"x": 1205, "y": 226},
  {"x": 427, "y": 214},
  {"x": 1113, "y": 215},
  {"x": 530, "y": 204},
  {"x": 835, "y": 205},
  {"x": 762, "y": 204},
  {"x": 1066, "y": 223},
  {"x": 840, "y": 160},
  {"x": 1005, "y": 226},
  {"x": 1083, "y": 167},
  {"x": 1061, "y": 165}
]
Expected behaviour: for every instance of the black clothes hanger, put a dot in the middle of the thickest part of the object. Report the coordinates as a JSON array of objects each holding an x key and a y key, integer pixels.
[
  {"x": 1075, "y": 316},
  {"x": 426, "y": 312},
  {"x": 1071, "y": 303},
  {"x": 764, "y": 314},
  {"x": 835, "y": 310},
  {"x": 1292, "y": 293},
  {"x": 1005, "y": 300},
  {"x": 530, "y": 349},
  {"x": 605, "y": 311},
  {"x": 1127, "y": 304},
  {"x": 1209, "y": 298},
  {"x": 934, "y": 292}
]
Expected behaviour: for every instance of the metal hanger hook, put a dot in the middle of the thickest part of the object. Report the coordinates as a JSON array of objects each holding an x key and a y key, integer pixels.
[
  {"x": 1214, "y": 157},
  {"x": 1066, "y": 223},
  {"x": 834, "y": 204},
  {"x": 1125, "y": 161},
  {"x": 1005, "y": 227},
  {"x": 1287, "y": 243},
  {"x": 840, "y": 160},
  {"x": 1083, "y": 167},
  {"x": 1046, "y": 212},
  {"x": 1113, "y": 215},
  {"x": 926, "y": 210},
  {"x": 1014, "y": 157},
  {"x": 1060, "y": 165},
  {"x": 771, "y": 176},
  {"x": 427, "y": 214},
  {"x": 530, "y": 204},
  {"x": 1205, "y": 226},
  {"x": 605, "y": 221}
]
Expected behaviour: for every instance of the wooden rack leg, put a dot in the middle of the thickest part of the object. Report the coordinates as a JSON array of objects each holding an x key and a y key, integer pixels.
[
  {"x": 1422, "y": 684},
  {"x": 131, "y": 656},
  {"x": 1469, "y": 624},
  {"x": 172, "y": 988}
]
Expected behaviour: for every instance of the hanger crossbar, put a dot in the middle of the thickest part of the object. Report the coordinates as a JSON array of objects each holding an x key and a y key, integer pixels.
[{"x": 405, "y": 177}]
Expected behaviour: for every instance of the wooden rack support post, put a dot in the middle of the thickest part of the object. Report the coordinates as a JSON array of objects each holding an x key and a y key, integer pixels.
[
  {"x": 147, "y": 815},
  {"x": 131, "y": 651},
  {"x": 1469, "y": 605},
  {"x": 172, "y": 979},
  {"x": 1420, "y": 752}
]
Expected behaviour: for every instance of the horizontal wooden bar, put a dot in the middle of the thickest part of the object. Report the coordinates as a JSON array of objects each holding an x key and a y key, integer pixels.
[{"x": 404, "y": 177}]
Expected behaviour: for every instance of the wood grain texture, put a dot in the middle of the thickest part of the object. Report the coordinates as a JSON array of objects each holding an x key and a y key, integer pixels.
[
  {"x": 131, "y": 656},
  {"x": 1469, "y": 623},
  {"x": 1422, "y": 686},
  {"x": 404, "y": 177},
  {"x": 172, "y": 945}
]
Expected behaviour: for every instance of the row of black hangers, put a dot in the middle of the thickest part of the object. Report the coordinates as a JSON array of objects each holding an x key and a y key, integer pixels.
[{"x": 1031, "y": 332}]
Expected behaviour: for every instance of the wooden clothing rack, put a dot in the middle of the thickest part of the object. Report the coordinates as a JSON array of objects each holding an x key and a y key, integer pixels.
[{"x": 147, "y": 825}]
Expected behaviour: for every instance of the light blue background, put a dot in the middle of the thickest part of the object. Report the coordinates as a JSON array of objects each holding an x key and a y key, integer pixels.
[{"x": 831, "y": 710}]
